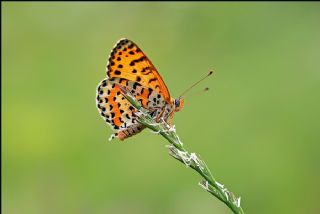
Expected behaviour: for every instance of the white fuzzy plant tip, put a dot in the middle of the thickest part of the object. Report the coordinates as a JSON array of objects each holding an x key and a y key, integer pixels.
[
  {"x": 197, "y": 161},
  {"x": 238, "y": 202},
  {"x": 172, "y": 129},
  {"x": 180, "y": 155},
  {"x": 173, "y": 151},
  {"x": 205, "y": 185},
  {"x": 220, "y": 185},
  {"x": 111, "y": 137},
  {"x": 185, "y": 157},
  {"x": 155, "y": 132}
]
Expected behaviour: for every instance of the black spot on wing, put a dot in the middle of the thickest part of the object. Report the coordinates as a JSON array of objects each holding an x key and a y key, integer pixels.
[
  {"x": 152, "y": 80},
  {"x": 149, "y": 92},
  {"x": 122, "y": 80},
  {"x": 104, "y": 83},
  {"x": 132, "y": 63},
  {"x": 135, "y": 85}
]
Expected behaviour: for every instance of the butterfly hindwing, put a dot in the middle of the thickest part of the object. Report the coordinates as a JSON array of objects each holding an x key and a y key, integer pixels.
[
  {"x": 113, "y": 107},
  {"x": 118, "y": 111}
]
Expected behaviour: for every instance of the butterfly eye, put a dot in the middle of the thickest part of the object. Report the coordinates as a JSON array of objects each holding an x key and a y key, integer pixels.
[{"x": 177, "y": 102}]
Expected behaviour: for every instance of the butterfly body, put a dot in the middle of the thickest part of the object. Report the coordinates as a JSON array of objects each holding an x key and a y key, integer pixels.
[{"x": 129, "y": 67}]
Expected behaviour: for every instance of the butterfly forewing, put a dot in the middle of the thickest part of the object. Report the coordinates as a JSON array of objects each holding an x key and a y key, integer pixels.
[{"x": 128, "y": 61}]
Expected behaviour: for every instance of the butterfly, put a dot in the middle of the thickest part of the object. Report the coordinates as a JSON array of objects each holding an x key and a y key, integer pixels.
[{"x": 129, "y": 67}]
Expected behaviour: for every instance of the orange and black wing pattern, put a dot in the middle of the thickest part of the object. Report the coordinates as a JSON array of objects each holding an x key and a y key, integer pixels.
[{"x": 129, "y": 62}]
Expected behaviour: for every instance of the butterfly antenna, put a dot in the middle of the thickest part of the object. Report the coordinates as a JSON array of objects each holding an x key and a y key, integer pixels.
[
  {"x": 198, "y": 92},
  {"x": 196, "y": 83}
]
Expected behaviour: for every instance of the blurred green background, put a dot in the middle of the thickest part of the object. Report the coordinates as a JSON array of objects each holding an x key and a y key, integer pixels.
[{"x": 257, "y": 128}]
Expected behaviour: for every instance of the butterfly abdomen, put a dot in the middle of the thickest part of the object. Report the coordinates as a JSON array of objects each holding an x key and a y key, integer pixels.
[{"x": 135, "y": 129}]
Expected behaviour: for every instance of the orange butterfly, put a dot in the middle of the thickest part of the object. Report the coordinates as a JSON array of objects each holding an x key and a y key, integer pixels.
[{"x": 130, "y": 67}]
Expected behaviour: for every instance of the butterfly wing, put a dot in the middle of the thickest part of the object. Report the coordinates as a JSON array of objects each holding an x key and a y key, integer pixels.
[
  {"x": 113, "y": 107},
  {"x": 129, "y": 62},
  {"x": 118, "y": 112}
]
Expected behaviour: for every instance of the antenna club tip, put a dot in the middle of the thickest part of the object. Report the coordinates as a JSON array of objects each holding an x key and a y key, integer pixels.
[
  {"x": 206, "y": 89},
  {"x": 210, "y": 72}
]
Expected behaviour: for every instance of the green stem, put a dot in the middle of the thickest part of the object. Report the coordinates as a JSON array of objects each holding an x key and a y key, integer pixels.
[{"x": 177, "y": 151}]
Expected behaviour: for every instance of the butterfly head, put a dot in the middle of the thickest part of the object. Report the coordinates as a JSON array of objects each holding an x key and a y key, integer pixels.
[{"x": 178, "y": 104}]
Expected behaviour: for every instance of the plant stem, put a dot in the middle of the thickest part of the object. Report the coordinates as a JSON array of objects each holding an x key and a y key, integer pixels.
[{"x": 177, "y": 151}]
